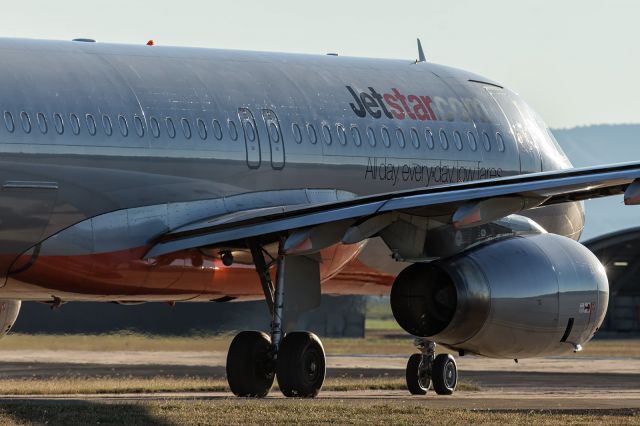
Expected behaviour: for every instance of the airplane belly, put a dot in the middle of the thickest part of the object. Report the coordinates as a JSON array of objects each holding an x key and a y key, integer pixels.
[
  {"x": 113, "y": 276},
  {"x": 187, "y": 275}
]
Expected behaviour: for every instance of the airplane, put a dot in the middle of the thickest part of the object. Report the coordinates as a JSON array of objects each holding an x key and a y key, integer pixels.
[{"x": 163, "y": 174}]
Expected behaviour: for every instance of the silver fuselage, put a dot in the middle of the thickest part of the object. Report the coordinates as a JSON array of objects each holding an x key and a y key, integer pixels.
[{"x": 92, "y": 128}]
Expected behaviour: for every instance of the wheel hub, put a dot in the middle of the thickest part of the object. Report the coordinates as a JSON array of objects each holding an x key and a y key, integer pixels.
[
  {"x": 311, "y": 365},
  {"x": 423, "y": 376},
  {"x": 450, "y": 375}
]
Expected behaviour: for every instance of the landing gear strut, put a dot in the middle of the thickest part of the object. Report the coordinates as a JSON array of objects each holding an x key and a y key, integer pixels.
[
  {"x": 426, "y": 368},
  {"x": 296, "y": 359}
]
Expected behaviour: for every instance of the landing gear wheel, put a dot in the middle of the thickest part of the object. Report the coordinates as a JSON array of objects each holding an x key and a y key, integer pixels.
[
  {"x": 417, "y": 379},
  {"x": 250, "y": 367},
  {"x": 444, "y": 374},
  {"x": 301, "y": 365}
]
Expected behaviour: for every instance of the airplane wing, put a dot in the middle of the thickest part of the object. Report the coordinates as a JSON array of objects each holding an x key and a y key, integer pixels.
[{"x": 468, "y": 204}]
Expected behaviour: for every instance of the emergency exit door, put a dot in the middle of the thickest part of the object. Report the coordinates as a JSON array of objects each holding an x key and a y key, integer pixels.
[
  {"x": 276, "y": 144},
  {"x": 251, "y": 138}
]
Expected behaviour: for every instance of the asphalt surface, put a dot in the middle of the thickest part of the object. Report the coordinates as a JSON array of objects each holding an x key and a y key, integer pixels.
[{"x": 550, "y": 383}]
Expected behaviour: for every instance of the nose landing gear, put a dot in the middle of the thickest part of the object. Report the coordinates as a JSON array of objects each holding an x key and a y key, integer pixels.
[
  {"x": 418, "y": 378},
  {"x": 445, "y": 374},
  {"x": 426, "y": 368}
]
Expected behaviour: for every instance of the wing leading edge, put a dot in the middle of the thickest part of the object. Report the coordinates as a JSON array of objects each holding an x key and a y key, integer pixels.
[{"x": 467, "y": 204}]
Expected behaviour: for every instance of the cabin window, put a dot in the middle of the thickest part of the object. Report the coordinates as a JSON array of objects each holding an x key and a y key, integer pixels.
[
  {"x": 233, "y": 130},
  {"x": 26, "y": 122},
  {"x": 326, "y": 134},
  {"x": 186, "y": 128},
  {"x": 91, "y": 124},
  {"x": 58, "y": 123},
  {"x": 42, "y": 123},
  {"x": 124, "y": 126},
  {"x": 313, "y": 137},
  {"x": 371, "y": 136},
  {"x": 386, "y": 139},
  {"x": 457, "y": 139},
  {"x": 355, "y": 135},
  {"x": 400, "y": 137},
  {"x": 499, "y": 142},
  {"x": 75, "y": 124},
  {"x": 415, "y": 138},
  {"x": 171, "y": 129},
  {"x": 486, "y": 141},
  {"x": 217, "y": 129},
  {"x": 202, "y": 129},
  {"x": 472, "y": 141},
  {"x": 139, "y": 125},
  {"x": 107, "y": 125},
  {"x": 249, "y": 130},
  {"x": 155, "y": 127},
  {"x": 429, "y": 138},
  {"x": 8, "y": 122},
  {"x": 297, "y": 133},
  {"x": 342, "y": 135},
  {"x": 444, "y": 142},
  {"x": 274, "y": 132}
]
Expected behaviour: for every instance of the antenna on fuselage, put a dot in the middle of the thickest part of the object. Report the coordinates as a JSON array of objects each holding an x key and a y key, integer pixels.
[{"x": 421, "y": 57}]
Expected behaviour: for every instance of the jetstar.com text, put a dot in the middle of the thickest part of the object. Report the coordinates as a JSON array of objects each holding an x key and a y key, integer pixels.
[{"x": 400, "y": 106}]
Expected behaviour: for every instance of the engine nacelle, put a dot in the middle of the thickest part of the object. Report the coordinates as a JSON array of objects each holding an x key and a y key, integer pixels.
[
  {"x": 515, "y": 297},
  {"x": 9, "y": 310}
]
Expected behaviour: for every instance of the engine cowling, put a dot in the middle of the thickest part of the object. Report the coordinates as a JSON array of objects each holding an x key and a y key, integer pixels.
[
  {"x": 9, "y": 310},
  {"x": 515, "y": 297}
]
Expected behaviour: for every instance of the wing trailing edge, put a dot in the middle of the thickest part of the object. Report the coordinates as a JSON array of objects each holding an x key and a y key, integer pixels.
[{"x": 467, "y": 204}]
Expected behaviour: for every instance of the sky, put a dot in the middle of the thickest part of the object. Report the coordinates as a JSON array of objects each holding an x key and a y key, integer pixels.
[{"x": 575, "y": 61}]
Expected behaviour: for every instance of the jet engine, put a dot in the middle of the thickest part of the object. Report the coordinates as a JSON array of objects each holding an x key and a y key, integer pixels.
[
  {"x": 9, "y": 310},
  {"x": 515, "y": 297}
]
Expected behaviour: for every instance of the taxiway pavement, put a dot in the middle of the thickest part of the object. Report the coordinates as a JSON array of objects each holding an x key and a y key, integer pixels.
[{"x": 571, "y": 382}]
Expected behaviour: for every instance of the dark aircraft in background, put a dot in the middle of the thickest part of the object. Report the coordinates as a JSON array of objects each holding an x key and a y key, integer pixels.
[{"x": 138, "y": 174}]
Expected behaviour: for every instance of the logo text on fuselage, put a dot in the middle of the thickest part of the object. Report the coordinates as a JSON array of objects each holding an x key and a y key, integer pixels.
[{"x": 400, "y": 106}]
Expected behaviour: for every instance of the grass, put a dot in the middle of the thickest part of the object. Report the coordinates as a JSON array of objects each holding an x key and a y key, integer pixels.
[
  {"x": 121, "y": 341},
  {"x": 79, "y": 385},
  {"x": 242, "y": 412},
  {"x": 399, "y": 344},
  {"x": 629, "y": 348},
  {"x": 388, "y": 324},
  {"x": 142, "y": 342},
  {"x": 378, "y": 308},
  {"x": 109, "y": 385}
]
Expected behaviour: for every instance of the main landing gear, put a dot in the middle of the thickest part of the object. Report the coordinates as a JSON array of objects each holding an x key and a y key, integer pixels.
[
  {"x": 296, "y": 360},
  {"x": 426, "y": 368}
]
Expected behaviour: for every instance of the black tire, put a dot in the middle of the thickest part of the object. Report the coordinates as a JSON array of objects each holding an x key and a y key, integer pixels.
[
  {"x": 301, "y": 365},
  {"x": 416, "y": 383},
  {"x": 444, "y": 374},
  {"x": 250, "y": 368}
]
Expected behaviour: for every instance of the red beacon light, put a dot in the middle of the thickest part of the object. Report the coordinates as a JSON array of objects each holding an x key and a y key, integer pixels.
[{"x": 151, "y": 43}]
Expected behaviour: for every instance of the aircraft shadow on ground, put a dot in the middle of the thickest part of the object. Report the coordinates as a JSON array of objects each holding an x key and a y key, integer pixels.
[{"x": 77, "y": 412}]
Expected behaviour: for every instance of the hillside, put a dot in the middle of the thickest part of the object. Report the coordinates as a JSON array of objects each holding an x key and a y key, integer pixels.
[{"x": 602, "y": 144}]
